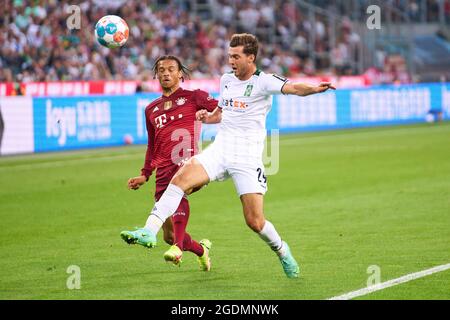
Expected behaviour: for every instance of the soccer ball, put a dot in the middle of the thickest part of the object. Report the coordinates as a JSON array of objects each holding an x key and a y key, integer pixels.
[{"x": 111, "y": 31}]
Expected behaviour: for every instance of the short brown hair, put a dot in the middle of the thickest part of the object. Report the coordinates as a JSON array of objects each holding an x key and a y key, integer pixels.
[{"x": 247, "y": 40}]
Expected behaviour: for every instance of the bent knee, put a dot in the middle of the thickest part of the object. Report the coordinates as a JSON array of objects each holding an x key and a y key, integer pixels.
[
  {"x": 256, "y": 225},
  {"x": 181, "y": 182}
]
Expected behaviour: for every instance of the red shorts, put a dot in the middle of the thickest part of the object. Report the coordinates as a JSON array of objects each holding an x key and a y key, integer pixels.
[{"x": 163, "y": 177}]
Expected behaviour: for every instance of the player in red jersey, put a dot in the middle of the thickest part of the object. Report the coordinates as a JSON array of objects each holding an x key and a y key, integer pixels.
[{"x": 173, "y": 133}]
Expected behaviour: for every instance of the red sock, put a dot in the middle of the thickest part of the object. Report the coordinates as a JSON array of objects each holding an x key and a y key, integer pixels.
[
  {"x": 180, "y": 219},
  {"x": 182, "y": 239},
  {"x": 191, "y": 245}
]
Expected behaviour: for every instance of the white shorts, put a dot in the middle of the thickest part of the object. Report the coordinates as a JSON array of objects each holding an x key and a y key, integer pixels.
[{"x": 248, "y": 176}]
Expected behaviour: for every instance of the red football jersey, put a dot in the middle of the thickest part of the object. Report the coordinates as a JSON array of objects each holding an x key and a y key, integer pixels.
[{"x": 173, "y": 131}]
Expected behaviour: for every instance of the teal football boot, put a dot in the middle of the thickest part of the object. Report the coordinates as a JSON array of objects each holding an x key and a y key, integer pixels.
[
  {"x": 141, "y": 236},
  {"x": 290, "y": 266}
]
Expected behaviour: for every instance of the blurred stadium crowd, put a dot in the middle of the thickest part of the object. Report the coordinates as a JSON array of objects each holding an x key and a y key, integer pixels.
[
  {"x": 422, "y": 11},
  {"x": 37, "y": 45}
]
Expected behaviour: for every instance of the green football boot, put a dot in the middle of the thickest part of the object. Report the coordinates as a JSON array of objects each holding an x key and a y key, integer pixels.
[
  {"x": 141, "y": 236},
  {"x": 289, "y": 264},
  {"x": 205, "y": 261},
  {"x": 174, "y": 255}
]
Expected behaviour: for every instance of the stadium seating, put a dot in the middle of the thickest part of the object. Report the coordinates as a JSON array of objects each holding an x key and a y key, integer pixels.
[{"x": 38, "y": 46}]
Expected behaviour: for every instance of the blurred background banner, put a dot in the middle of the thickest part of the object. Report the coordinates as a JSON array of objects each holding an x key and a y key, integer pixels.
[
  {"x": 80, "y": 122},
  {"x": 74, "y": 88},
  {"x": 57, "y": 123},
  {"x": 361, "y": 107}
]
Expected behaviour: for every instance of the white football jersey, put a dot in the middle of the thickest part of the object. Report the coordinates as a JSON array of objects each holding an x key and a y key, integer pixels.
[{"x": 245, "y": 105}]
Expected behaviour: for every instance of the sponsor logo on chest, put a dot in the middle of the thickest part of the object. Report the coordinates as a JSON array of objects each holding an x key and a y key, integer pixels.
[
  {"x": 235, "y": 104},
  {"x": 164, "y": 119}
]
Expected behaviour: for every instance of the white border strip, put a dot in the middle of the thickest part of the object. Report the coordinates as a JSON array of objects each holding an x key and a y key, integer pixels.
[{"x": 391, "y": 283}]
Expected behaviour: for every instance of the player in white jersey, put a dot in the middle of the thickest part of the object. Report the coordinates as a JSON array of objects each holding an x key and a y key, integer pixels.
[
  {"x": 245, "y": 100},
  {"x": 239, "y": 144}
]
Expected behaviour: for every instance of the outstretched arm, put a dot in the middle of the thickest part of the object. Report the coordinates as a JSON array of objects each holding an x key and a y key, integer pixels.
[{"x": 303, "y": 89}]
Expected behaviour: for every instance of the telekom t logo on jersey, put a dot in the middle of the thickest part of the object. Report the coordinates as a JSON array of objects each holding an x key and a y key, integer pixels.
[{"x": 163, "y": 119}]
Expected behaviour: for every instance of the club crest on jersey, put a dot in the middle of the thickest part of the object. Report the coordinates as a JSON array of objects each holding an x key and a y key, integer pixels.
[
  {"x": 180, "y": 101},
  {"x": 248, "y": 91},
  {"x": 167, "y": 105}
]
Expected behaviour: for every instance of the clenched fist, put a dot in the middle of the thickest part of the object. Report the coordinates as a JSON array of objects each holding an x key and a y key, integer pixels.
[
  {"x": 137, "y": 182},
  {"x": 201, "y": 115}
]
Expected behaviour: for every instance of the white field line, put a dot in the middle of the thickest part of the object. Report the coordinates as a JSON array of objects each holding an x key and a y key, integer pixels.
[
  {"x": 391, "y": 283},
  {"x": 61, "y": 163}
]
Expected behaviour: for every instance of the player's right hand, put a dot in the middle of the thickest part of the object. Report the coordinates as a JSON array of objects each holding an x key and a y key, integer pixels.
[
  {"x": 136, "y": 183},
  {"x": 201, "y": 115}
]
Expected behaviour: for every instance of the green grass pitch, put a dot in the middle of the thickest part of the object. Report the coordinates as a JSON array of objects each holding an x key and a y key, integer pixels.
[{"x": 343, "y": 200}]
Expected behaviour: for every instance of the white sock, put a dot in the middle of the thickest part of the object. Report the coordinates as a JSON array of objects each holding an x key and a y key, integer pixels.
[
  {"x": 164, "y": 208},
  {"x": 153, "y": 224},
  {"x": 272, "y": 238}
]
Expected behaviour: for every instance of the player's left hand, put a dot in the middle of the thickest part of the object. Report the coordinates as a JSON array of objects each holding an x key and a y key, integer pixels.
[
  {"x": 136, "y": 183},
  {"x": 324, "y": 86}
]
